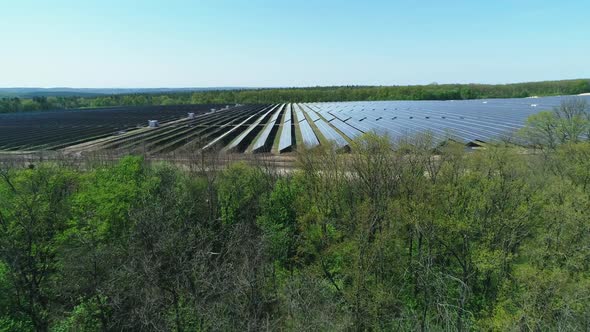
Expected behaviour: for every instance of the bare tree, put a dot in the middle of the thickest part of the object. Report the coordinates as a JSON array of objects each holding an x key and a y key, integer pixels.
[{"x": 573, "y": 116}]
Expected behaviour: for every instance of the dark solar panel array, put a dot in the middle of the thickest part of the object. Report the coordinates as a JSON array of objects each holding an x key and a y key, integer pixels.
[{"x": 49, "y": 130}]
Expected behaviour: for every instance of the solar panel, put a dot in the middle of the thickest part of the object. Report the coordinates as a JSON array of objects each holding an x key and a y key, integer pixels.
[
  {"x": 309, "y": 137},
  {"x": 330, "y": 134},
  {"x": 311, "y": 113},
  {"x": 229, "y": 131},
  {"x": 263, "y": 138},
  {"x": 346, "y": 129},
  {"x": 285, "y": 140},
  {"x": 329, "y": 117},
  {"x": 276, "y": 114},
  {"x": 467, "y": 119},
  {"x": 299, "y": 114},
  {"x": 240, "y": 139},
  {"x": 288, "y": 113}
]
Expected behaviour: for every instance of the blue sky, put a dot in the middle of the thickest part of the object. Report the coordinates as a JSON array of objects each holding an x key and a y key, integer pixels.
[{"x": 252, "y": 43}]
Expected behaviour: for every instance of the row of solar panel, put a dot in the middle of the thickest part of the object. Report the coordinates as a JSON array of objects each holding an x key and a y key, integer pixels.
[
  {"x": 465, "y": 120},
  {"x": 231, "y": 127},
  {"x": 283, "y": 119},
  {"x": 263, "y": 142}
]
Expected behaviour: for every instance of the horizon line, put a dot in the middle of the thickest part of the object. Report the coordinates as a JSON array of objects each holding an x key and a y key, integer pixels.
[{"x": 230, "y": 87}]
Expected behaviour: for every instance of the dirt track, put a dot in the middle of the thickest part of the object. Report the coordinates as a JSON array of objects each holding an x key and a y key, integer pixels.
[{"x": 26, "y": 159}]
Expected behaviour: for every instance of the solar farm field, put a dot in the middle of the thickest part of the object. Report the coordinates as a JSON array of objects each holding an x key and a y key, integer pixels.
[
  {"x": 467, "y": 121},
  {"x": 52, "y": 130},
  {"x": 276, "y": 129}
]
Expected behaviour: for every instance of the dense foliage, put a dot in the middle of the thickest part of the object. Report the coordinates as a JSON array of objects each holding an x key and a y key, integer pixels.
[
  {"x": 402, "y": 237},
  {"x": 315, "y": 94},
  {"x": 568, "y": 123}
]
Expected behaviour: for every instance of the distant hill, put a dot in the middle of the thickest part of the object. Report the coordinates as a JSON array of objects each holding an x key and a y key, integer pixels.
[{"x": 95, "y": 92}]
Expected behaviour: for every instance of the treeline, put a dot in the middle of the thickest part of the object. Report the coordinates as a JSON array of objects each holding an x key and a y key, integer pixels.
[
  {"x": 409, "y": 236},
  {"x": 317, "y": 94}
]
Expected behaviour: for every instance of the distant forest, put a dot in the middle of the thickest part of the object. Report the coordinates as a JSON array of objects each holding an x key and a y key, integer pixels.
[{"x": 314, "y": 94}]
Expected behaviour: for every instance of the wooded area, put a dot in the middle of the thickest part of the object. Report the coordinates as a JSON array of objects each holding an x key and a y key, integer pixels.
[
  {"x": 402, "y": 236},
  {"x": 314, "y": 94}
]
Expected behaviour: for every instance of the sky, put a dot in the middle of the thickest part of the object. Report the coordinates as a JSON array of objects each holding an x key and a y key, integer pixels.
[{"x": 256, "y": 43}]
